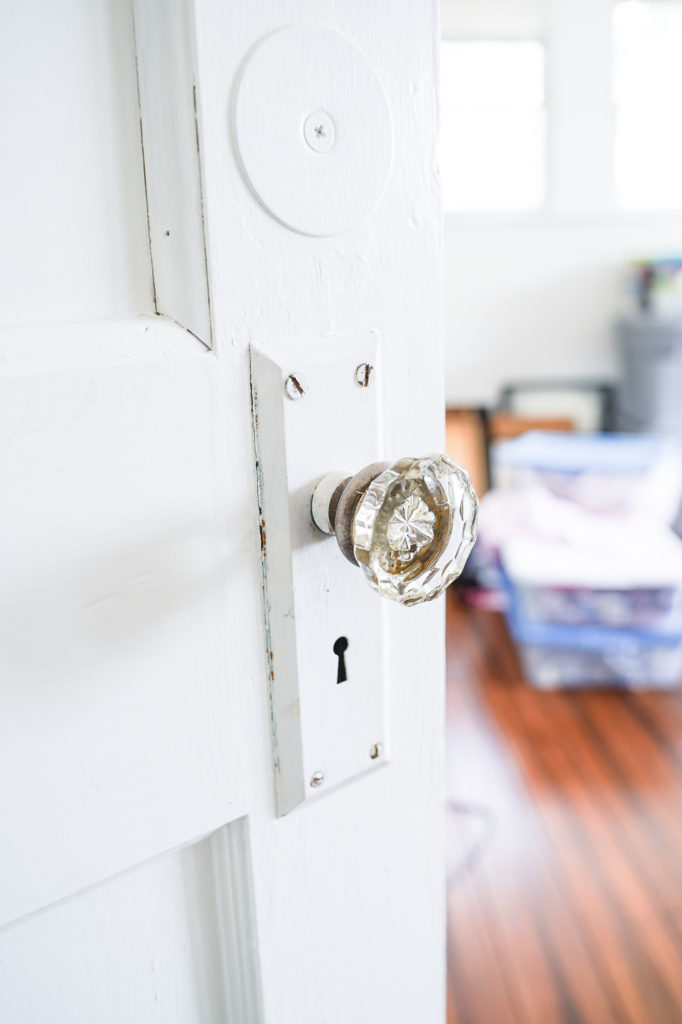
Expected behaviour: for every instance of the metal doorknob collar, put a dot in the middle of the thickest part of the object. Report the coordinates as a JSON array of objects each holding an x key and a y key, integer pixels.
[{"x": 410, "y": 525}]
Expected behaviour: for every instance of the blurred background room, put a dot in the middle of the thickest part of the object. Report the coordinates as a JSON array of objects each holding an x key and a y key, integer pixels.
[{"x": 561, "y": 166}]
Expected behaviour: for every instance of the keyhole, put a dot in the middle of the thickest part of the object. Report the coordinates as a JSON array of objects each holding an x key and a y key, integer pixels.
[{"x": 340, "y": 648}]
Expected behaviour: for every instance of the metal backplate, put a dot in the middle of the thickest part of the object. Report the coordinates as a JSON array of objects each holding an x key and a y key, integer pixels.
[{"x": 324, "y": 732}]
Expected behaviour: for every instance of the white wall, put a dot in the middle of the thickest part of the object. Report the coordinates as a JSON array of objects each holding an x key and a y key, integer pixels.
[{"x": 535, "y": 297}]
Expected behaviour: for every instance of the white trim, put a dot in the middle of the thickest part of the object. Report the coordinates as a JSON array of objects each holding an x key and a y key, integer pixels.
[
  {"x": 236, "y": 917},
  {"x": 170, "y": 137}
]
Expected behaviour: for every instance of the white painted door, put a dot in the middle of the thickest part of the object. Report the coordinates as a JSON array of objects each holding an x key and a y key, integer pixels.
[{"x": 144, "y": 873}]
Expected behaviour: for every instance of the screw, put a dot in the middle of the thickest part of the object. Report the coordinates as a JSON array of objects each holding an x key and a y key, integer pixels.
[
  {"x": 295, "y": 386},
  {"x": 317, "y": 779},
  {"x": 363, "y": 374},
  {"x": 376, "y": 751},
  {"x": 319, "y": 132}
]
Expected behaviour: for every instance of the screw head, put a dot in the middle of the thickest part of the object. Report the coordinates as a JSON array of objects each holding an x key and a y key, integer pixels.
[
  {"x": 316, "y": 779},
  {"x": 295, "y": 386},
  {"x": 363, "y": 374},
  {"x": 376, "y": 751},
  {"x": 319, "y": 131}
]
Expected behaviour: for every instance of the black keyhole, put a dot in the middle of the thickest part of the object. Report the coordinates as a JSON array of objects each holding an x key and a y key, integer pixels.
[{"x": 340, "y": 648}]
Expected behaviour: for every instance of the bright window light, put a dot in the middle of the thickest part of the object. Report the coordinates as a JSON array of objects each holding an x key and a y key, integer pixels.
[
  {"x": 492, "y": 146},
  {"x": 647, "y": 87}
]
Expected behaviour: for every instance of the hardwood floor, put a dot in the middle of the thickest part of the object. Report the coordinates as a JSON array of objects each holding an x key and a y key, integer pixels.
[{"x": 565, "y": 839}]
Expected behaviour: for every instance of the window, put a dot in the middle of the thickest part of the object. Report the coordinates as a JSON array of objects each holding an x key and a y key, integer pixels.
[
  {"x": 492, "y": 154},
  {"x": 647, "y": 84}
]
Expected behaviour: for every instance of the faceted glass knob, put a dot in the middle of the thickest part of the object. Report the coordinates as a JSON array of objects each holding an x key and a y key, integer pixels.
[{"x": 409, "y": 525}]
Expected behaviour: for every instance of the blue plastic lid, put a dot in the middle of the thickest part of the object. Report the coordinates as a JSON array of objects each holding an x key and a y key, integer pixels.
[
  {"x": 587, "y": 637},
  {"x": 582, "y": 453}
]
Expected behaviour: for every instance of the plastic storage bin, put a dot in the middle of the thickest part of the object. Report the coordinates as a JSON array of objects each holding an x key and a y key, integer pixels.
[
  {"x": 658, "y": 608},
  {"x": 618, "y": 474},
  {"x": 632, "y": 579},
  {"x": 607, "y": 612},
  {"x": 556, "y": 657}
]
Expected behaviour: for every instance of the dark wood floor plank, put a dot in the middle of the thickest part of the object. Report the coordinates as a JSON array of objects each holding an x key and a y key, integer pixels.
[
  {"x": 641, "y": 761},
  {"x": 479, "y": 988},
  {"x": 615, "y": 909},
  {"x": 574, "y": 950},
  {"x": 636, "y": 820},
  {"x": 577, "y": 897},
  {"x": 520, "y": 898},
  {"x": 614, "y": 818}
]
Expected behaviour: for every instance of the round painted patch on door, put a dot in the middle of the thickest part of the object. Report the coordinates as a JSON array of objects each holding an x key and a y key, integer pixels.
[{"x": 313, "y": 130}]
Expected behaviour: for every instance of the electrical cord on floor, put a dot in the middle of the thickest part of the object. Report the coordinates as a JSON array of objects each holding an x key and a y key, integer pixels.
[{"x": 488, "y": 825}]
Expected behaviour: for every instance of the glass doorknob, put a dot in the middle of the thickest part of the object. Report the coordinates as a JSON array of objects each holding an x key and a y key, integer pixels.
[{"x": 409, "y": 525}]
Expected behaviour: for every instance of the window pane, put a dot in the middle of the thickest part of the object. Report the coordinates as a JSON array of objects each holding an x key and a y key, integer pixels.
[
  {"x": 647, "y": 85},
  {"x": 493, "y": 76},
  {"x": 492, "y": 126}
]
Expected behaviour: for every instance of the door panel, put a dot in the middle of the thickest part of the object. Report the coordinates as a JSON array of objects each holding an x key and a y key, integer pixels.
[
  {"x": 148, "y": 949},
  {"x": 112, "y": 652},
  {"x": 72, "y": 202}
]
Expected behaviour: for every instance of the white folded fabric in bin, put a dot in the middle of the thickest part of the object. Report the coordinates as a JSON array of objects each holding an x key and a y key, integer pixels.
[
  {"x": 621, "y": 555},
  {"x": 624, "y": 575},
  {"x": 617, "y": 474}
]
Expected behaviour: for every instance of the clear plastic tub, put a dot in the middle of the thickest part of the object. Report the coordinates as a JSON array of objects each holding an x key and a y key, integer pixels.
[
  {"x": 622, "y": 578},
  {"x": 555, "y": 657},
  {"x": 619, "y": 474},
  {"x": 656, "y": 608}
]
